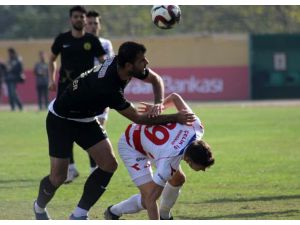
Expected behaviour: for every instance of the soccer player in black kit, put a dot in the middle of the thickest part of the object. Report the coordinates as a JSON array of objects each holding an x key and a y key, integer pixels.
[
  {"x": 78, "y": 51},
  {"x": 71, "y": 118}
]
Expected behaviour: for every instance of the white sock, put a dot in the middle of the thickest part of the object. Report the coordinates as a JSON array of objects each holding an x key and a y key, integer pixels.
[
  {"x": 168, "y": 199},
  {"x": 38, "y": 209},
  {"x": 78, "y": 212},
  {"x": 128, "y": 206},
  {"x": 72, "y": 166}
]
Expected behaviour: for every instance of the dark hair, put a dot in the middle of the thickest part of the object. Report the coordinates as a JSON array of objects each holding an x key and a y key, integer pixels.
[
  {"x": 77, "y": 8},
  {"x": 200, "y": 153},
  {"x": 92, "y": 13},
  {"x": 128, "y": 52},
  {"x": 11, "y": 50}
]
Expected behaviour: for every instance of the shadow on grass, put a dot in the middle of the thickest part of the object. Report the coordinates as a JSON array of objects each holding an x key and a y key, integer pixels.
[
  {"x": 262, "y": 198},
  {"x": 239, "y": 216}
]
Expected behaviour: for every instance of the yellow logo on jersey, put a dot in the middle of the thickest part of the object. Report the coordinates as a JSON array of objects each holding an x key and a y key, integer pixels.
[{"x": 87, "y": 46}]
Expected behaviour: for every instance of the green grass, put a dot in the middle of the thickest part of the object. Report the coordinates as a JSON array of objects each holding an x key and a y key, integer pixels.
[{"x": 256, "y": 174}]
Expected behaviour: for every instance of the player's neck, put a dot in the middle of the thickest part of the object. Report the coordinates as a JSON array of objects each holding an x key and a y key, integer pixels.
[
  {"x": 77, "y": 33},
  {"x": 123, "y": 74}
]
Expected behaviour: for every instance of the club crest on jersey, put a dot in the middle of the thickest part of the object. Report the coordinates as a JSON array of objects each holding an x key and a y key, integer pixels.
[{"x": 87, "y": 46}]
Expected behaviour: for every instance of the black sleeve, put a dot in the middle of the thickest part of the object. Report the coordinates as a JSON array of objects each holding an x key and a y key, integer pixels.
[
  {"x": 98, "y": 49},
  {"x": 56, "y": 46},
  {"x": 118, "y": 102}
]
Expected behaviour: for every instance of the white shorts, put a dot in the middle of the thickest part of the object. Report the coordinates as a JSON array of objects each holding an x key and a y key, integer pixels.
[{"x": 137, "y": 164}]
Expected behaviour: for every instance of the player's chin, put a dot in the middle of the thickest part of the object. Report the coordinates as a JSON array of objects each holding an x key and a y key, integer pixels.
[{"x": 79, "y": 26}]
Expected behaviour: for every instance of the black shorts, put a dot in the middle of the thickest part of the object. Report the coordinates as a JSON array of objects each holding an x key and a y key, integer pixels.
[{"x": 62, "y": 133}]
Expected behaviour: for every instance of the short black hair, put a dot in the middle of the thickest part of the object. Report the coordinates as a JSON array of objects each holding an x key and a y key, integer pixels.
[
  {"x": 92, "y": 13},
  {"x": 77, "y": 8},
  {"x": 200, "y": 153},
  {"x": 12, "y": 50},
  {"x": 128, "y": 52}
]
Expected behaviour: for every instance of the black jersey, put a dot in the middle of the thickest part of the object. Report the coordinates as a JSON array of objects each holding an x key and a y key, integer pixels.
[
  {"x": 77, "y": 56},
  {"x": 93, "y": 91}
]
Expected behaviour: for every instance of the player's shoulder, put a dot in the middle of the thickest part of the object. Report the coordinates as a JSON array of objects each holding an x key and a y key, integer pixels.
[
  {"x": 104, "y": 40},
  {"x": 66, "y": 34},
  {"x": 90, "y": 37}
]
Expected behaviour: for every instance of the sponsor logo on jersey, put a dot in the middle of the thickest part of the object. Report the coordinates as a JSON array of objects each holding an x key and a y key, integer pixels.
[
  {"x": 66, "y": 46},
  {"x": 87, "y": 46}
]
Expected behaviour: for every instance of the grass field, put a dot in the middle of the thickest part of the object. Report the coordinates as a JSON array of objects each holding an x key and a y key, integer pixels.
[{"x": 256, "y": 174}]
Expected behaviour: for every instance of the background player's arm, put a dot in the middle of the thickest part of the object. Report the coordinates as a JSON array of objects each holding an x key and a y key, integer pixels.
[
  {"x": 52, "y": 72},
  {"x": 139, "y": 118},
  {"x": 158, "y": 90}
]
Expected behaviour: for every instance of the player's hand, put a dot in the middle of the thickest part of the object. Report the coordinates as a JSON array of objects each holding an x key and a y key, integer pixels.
[
  {"x": 144, "y": 107},
  {"x": 185, "y": 117},
  {"x": 51, "y": 86},
  {"x": 150, "y": 109},
  {"x": 155, "y": 110}
]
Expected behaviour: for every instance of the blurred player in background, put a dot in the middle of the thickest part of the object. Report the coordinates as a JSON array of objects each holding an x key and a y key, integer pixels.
[
  {"x": 41, "y": 77},
  {"x": 165, "y": 146},
  {"x": 93, "y": 26},
  {"x": 78, "y": 50},
  {"x": 14, "y": 76}
]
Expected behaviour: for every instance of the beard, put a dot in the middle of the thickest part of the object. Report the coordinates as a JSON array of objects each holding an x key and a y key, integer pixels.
[
  {"x": 78, "y": 26},
  {"x": 137, "y": 73}
]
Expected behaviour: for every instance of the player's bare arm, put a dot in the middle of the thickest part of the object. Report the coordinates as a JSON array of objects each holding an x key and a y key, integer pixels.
[
  {"x": 132, "y": 114},
  {"x": 175, "y": 100},
  {"x": 172, "y": 100},
  {"x": 52, "y": 72},
  {"x": 158, "y": 89}
]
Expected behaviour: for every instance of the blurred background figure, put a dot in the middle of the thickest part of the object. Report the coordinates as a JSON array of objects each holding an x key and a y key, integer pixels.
[
  {"x": 14, "y": 76},
  {"x": 2, "y": 75},
  {"x": 93, "y": 26},
  {"x": 41, "y": 75}
]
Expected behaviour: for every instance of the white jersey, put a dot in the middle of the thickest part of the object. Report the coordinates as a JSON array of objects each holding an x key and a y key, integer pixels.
[{"x": 163, "y": 144}]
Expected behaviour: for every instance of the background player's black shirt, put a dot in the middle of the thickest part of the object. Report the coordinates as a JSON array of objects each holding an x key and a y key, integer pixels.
[
  {"x": 77, "y": 56},
  {"x": 93, "y": 91}
]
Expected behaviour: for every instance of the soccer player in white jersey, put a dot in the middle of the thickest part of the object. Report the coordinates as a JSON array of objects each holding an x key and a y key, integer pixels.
[{"x": 165, "y": 146}]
